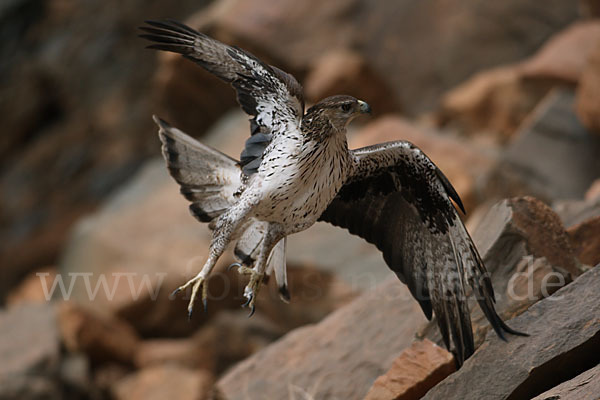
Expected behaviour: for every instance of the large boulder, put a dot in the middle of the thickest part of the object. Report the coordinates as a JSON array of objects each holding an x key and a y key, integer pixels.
[
  {"x": 564, "y": 337},
  {"x": 496, "y": 101},
  {"x": 76, "y": 104},
  {"x": 588, "y": 92},
  {"x": 339, "y": 357},
  {"x": 552, "y": 156}
]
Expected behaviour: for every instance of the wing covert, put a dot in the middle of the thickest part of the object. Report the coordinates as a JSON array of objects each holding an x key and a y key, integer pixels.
[
  {"x": 271, "y": 96},
  {"x": 398, "y": 200}
]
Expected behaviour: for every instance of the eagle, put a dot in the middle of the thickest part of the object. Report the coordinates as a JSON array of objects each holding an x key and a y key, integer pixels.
[{"x": 296, "y": 169}]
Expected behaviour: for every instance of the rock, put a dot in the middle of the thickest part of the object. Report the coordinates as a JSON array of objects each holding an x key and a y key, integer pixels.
[
  {"x": 564, "y": 56},
  {"x": 589, "y": 8},
  {"x": 528, "y": 254},
  {"x": 30, "y": 352},
  {"x": 462, "y": 162},
  {"x": 102, "y": 339},
  {"x": 69, "y": 128},
  {"x": 564, "y": 337},
  {"x": 397, "y": 38},
  {"x": 585, "y": 240},
  {"x": 588, "y": 92},
  {"x": 32, "y": 288},
  {"x": 230, "y": 337},
  {"x": 419, "y": 368},
  {"x": 164, "y": 382},
  {"x": 584, "y": 386},
  {"x": 330, "y": 359},
  {"x": 344, "y": 71},
  {"x": 496, "y": 101},
  {"x": 593, "y": 193},
  {"x": 187, "y": 352},
  {"x": 552, "y": 173}
]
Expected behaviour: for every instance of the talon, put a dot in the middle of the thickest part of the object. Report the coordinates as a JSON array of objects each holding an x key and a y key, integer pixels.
[
  {"x": 252, "y": 309},
  {"x": 247, "y": 303},
  {"x": 205, "y": 304},
  {"x": 235, "y": 264},
  {"x": 190, "y": 310},
  {"x": 174, "y": 293}
]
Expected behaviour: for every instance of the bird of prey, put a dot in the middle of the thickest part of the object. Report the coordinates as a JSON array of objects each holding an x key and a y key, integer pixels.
[{"x": 296, "y": 169}]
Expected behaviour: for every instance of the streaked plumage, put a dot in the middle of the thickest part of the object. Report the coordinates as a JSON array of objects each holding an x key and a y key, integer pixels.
[{"x": 296, "y": 168}]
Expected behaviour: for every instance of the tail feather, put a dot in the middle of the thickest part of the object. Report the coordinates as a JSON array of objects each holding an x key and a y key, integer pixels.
[{"x": 208, "y": 178}]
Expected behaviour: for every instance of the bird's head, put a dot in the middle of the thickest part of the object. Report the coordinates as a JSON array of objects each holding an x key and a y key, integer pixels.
[{"x": 338, "y": 110}]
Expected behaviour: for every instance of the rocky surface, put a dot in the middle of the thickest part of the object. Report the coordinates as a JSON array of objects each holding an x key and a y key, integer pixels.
[
  {"x": 102, "y": 339},
  {"x": 496, "y": 101},
  {"x": 552, "y": 132},
  {"x": 354, "y": 345},
  {"x": 74, "y": 92},
  {"x": 164, "y": 382},
  {"x": 419, "y": 368},
  {"x": 588, "y": 92},
  {"x": 564, "y": 336},
  {"x": 526, "y": 250},
  {"x": 77, "y": 93},
  {"x": 584, "y": 386}
]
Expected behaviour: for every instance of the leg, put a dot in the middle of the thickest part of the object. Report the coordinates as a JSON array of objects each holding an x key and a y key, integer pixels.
[
  {"x": 272, "y": 236},
  {"x": 226, "y": 228}
]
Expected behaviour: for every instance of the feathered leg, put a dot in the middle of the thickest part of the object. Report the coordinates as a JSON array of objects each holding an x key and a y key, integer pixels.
[
  {"x": 226, "y": 229},
  {"x": 273, "y": 235}
]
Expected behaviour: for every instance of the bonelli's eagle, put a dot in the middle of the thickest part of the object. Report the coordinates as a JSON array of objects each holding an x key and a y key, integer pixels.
[{"x": 296, "y": 169}]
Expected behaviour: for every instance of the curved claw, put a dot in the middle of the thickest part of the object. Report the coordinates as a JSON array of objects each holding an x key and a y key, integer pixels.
[
  {"x": 235, "y": 264},
  {"x": 247, "y": 303},
  {"x": 174, "y": 293},
  {"x": 252, "y": 309},
  {"x": 190, "y": 311},
  {"x": 205, "y": 304}
]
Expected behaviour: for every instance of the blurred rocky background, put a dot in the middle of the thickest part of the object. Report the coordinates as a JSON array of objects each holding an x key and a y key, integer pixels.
[{"x": 503, "y": 96}]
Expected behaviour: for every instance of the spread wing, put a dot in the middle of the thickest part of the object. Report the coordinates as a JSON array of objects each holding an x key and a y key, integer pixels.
[
  {"x": 272, "y": 97},
  {"x": 399, "y": 200}
]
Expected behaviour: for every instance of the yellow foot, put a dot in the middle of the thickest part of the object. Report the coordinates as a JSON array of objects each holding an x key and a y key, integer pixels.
[{"x": 196, "y": 282}]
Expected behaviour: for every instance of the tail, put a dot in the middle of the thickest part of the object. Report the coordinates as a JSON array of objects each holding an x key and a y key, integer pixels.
[{"x": 208, "y": 178}]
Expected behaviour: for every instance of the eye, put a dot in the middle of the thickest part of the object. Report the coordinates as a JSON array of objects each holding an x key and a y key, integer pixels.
[{"x": 346, "y": 107}]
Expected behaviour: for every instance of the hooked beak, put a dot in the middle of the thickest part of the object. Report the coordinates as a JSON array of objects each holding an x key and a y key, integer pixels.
[{"x": 364, "y": 107}]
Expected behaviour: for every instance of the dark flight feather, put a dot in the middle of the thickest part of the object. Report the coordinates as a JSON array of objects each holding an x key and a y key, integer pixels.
[
  {"x": 398, "y": 200},
  {"x": 262, "y": 90}
]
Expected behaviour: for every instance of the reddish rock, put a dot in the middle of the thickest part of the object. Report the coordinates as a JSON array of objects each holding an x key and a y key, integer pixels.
[
  {"x": 497, "y": 101},
  {"x": 593, "y": 193},
  {"x": 347, "y": 72},
  {"x": 463, "y": 163},
  {"x": 189, "y": 353},
  {"x": 564, "y": 337},
  {"x": 588, "y": 92},
  {"x": 101, "y": 338},
  {"x": 397, "y": 38},
  {"x": 164, "y": 382},
  {"x": 565, "y": 55},
  {"x": 34, "y": 288},
  {"x": 419, "y": 368},
  {"x": 585, "y": 240},
  {"x": 230, "y": 337},
  {"x": 339, "y": 357}
]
